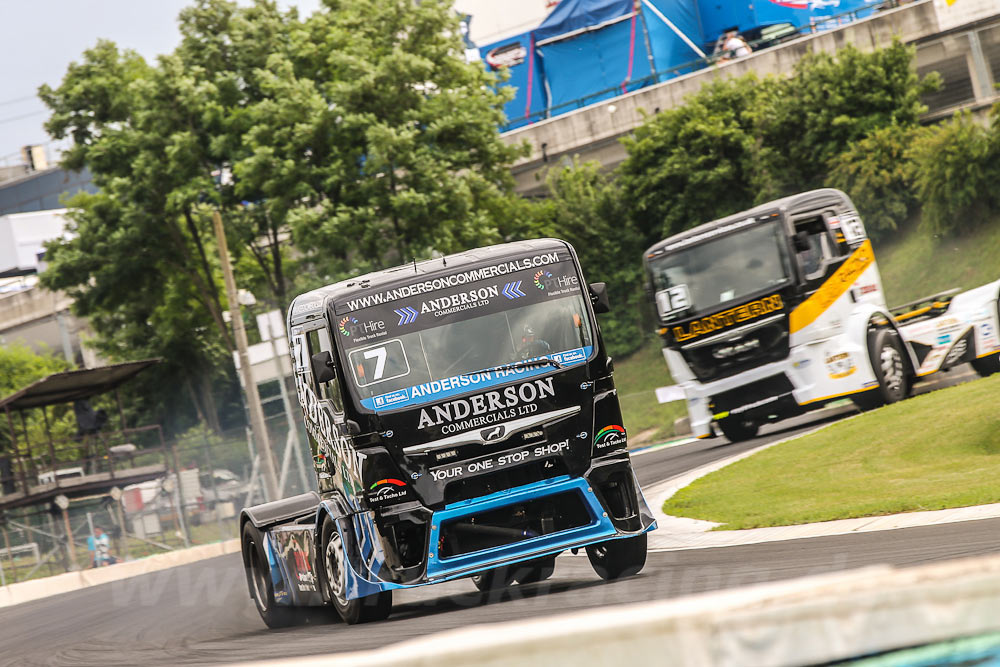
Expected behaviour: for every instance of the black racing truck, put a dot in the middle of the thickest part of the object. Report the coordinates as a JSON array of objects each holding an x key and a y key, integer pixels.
[{"x": 463, "y": 422}]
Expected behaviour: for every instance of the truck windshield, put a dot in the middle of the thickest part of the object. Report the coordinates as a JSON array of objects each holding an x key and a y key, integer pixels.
[
  {"x": 453, "y": 341},
  {"x": 702, "y": 277}
]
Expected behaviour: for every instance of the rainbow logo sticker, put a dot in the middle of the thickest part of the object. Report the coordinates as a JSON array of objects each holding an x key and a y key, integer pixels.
[
  {"x": 343, "y": 322},
  {"x": 538, "y": 283},
  {"x": 610, "y": 437},
  {"x": 394, "y": 482}
]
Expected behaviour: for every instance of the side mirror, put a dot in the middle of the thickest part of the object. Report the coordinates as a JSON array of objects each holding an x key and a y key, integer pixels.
[
  {"x": 322, "y": 367},
  {"x": 599, "y": 297},
  {"x": 353, "y": 428}
]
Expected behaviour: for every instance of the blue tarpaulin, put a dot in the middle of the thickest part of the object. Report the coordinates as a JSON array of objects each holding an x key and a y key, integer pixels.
[{"x": 572, "y": 15}]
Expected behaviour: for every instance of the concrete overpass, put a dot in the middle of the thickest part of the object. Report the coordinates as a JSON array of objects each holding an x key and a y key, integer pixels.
[{"x": 961, "y": 42}]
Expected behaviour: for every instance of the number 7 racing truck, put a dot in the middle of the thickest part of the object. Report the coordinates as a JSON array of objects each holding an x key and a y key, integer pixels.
[
  {"x": 778, "y": 310},
  {"x": 463, "y": 422}
]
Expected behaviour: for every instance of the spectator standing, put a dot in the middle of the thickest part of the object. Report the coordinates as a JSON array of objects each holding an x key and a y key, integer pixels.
[{"x": 736, "y": 45}]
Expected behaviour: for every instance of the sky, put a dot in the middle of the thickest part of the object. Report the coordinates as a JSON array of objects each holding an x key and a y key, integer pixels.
[{"x": 40, "y": 38}]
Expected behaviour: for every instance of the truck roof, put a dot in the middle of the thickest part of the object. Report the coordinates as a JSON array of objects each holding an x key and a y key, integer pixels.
[
  {"x": 310, "y": 305},
  {"x": 803, "y": 201}
]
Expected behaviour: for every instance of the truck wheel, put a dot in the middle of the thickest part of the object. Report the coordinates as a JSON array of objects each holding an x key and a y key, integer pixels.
[
  {"x": 889, "y": 365},
  {"x": 534, "y": 571},
  {"x": 619, "y": 558},
  {"x": 492, "y": 580},
  {"x": 259, "y": 581},
  {"x": 738, "y": 429},
  {"x": 334, "y": 574}
]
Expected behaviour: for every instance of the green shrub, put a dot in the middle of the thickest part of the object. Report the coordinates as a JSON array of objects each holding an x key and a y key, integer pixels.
[
  {"x": 877, "y": 175},
  {"x": 955, "y": 172}
]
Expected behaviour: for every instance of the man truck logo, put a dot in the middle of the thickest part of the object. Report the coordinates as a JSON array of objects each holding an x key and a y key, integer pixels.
[
  {"x": 406, "y": 315},
  {"x": 610, "y": 436},
  {"x": 494, "y": 433},
  {"x": 513, "y": 290},
  {"x": 540, "y": 277},
  {"x": 728, "y": 318}
]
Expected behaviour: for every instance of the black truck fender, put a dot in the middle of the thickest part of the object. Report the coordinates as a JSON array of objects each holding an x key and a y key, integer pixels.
[{"x": 280, "y": 511}]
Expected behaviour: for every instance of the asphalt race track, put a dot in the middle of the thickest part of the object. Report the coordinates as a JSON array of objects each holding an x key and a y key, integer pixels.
[{"x": 201, "y": 613}]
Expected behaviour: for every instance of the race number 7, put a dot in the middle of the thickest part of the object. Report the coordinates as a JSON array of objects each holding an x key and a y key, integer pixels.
[
  {"x": 673, "y": 300},
  {"x": 378, "y": 354}
]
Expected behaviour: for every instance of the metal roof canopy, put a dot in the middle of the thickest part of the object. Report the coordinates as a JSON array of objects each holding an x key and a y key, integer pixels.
[{"x": 73, "y": 385}]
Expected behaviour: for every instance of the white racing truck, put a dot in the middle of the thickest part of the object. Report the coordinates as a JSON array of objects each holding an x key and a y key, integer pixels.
[{"x": 780, "y": 309}]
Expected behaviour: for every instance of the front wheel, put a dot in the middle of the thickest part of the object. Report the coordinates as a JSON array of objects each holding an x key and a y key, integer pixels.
[
  {"x": 619, "y": 558},
  {"x": 889, "y": 366},
  {"x": 360, "y": 610},
  {"x": 536, "y": 570},
  {"x": 737, "y": 429},
  {"x": 260, "y": 584},
  {"x": 493, "y": 580}
]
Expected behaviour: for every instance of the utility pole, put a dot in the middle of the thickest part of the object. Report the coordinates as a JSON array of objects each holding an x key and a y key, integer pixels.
[{"x": 249, "y": 386}]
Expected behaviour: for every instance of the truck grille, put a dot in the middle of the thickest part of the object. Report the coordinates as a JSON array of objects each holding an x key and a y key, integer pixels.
[{"x": 729, "y": 355}]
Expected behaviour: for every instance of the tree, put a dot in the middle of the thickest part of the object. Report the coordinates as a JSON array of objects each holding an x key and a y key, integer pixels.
[
  {"x": 831, "y": 101},
  {"x": 695, "y": 162},
  {"x": 19, "y": 367}
]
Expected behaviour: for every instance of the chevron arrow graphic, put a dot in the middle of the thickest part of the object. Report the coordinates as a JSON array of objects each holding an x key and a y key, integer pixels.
[
  {"x": 406, "y": 315},
  {"x": 513, "y": 290}
]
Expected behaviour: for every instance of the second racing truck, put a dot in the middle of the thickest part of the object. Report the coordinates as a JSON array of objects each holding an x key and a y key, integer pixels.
[
  {"x": 463, "y": 422},
  {"x": 774, "y": 311}
]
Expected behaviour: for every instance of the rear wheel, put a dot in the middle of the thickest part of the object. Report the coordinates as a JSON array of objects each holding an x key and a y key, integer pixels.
[
  {"x": 534, "y": 571},
  {"x": 259, "y": 581},
  {"x": 492, "y": 580},
  {"x": 738, "y": 429},
  {"x": 360, "y": 610},
  {"x": 619, "y": 558},
  {"x": 890, "y": 368}
]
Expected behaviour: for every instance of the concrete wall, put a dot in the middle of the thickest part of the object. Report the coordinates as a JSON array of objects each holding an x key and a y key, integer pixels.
[
  {"x": 41, "y": 320},
  {"x": 594, "y": 132}
]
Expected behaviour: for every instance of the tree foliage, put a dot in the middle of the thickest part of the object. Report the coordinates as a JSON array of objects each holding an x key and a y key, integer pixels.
[{"x": 877, "y": 174}]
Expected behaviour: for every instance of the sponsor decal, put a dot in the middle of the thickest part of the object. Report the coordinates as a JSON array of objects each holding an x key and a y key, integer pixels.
[
  {"x": 344, "y": 323},
  {"x": 306, "y": 307},
  {"x": 497, "y": 402},
  {"x": 610, "y": 437},
  {"x": 750, "y": 406},
  {"x": 834, "y": 287},
  {"x": 868, "y": 289},
  {"x": 541, "y": 274},
  {"x": 294, "y": 547},
  {"x": 728, "y": 318},
  {"x": 508, "y": 55},
  {"x": 840, "y": 365},
  {"x": 513, "y": 290},
  {"x": 437, "y": 390},
  {"x": 387, "y": 491},
  {"x": 331, "y": 442},
  {"x": 406, "y": 315},
  {"x": 499, "y": 461},
  {"x": 453, "y": 280},
  {"x": 957, "y": 352}
]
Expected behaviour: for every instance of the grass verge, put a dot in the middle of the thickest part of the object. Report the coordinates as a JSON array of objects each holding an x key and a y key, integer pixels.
[{"x": 935, "y": 451}]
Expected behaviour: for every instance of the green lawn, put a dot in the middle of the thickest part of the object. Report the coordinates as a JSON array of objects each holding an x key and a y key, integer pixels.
[{"x": 934, "y": 451}]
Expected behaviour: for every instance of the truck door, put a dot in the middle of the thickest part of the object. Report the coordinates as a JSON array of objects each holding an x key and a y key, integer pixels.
[
  {"x": 322, "y": 404},
  {"x": 817, "y": 252}
]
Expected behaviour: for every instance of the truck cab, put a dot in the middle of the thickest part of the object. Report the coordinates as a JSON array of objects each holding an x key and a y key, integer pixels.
[
  {"x": 780, "y": 309},
  {"x": 463, "y": 422}
]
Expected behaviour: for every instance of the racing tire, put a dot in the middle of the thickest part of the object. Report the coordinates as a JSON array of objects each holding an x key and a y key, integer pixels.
[
  {"x": 535, "y": 571},
  {"x": 493, "y": 580},
  {"x": 619, "y": 558},
  {"x": 889, "y": 364},
  {"x": 259, "y": 581},
  {"x": 986, "y": 365},
  {"x": 371, "y": 608},
  {"x": 738, "y": 429}
]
